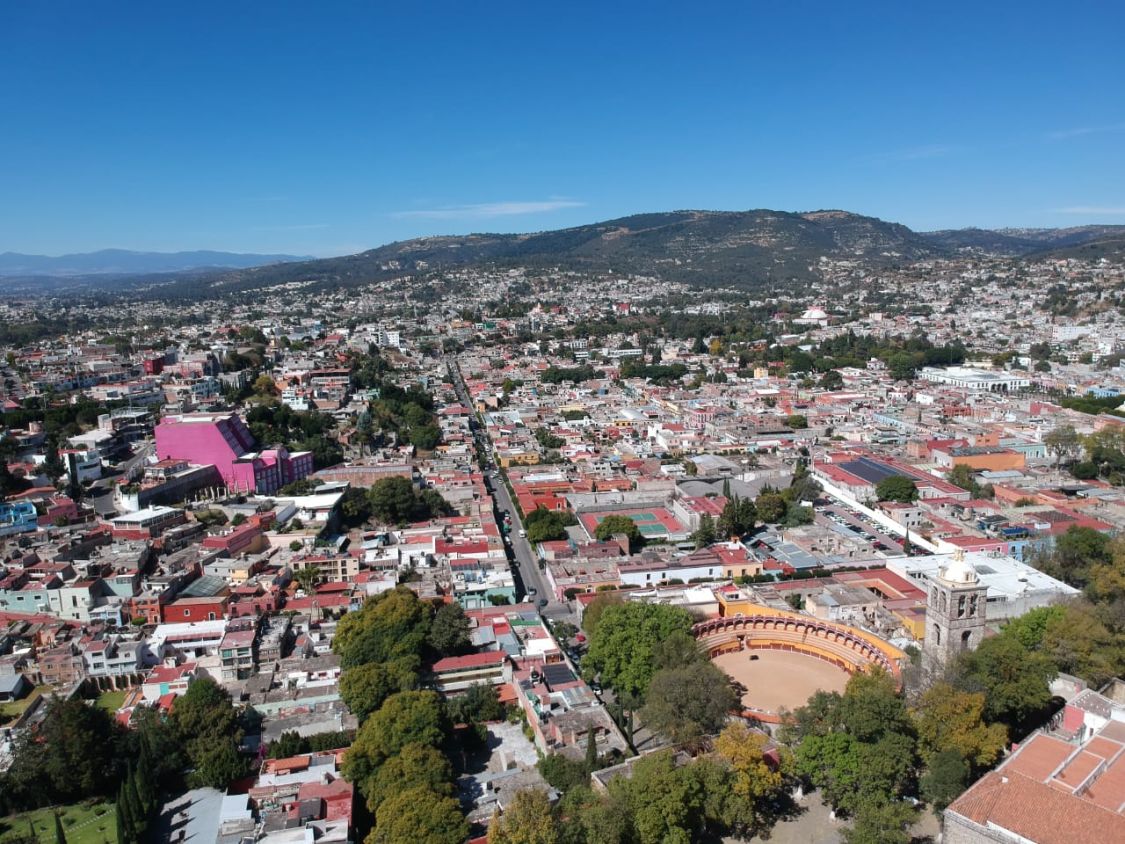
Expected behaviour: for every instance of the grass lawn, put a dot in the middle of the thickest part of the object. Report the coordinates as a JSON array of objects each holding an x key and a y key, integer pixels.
[
  {"x": 81, "y": 823},
  {"x": 112, "y": 701},
  {"x": 13, "y": 710}
]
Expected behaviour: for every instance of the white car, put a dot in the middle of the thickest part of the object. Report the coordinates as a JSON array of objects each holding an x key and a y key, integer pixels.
[{"x": 523, "y": 533}]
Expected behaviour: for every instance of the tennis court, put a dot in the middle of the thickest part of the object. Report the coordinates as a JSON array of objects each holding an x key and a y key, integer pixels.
[{"x": 653, "y": 524}]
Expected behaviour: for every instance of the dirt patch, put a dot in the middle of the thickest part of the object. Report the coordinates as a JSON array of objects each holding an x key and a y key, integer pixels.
[{"x": 780, "y": 679}]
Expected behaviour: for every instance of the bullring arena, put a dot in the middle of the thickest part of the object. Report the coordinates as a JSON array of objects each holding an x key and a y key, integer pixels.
[{"x": 780, "y": 659}]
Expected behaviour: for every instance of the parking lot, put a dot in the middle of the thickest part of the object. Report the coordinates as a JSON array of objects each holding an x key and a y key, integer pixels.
[{"x": 862, "y": 527}]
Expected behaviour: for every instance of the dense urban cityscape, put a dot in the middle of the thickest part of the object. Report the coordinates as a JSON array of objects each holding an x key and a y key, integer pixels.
[{"x": 310, "y": 563}]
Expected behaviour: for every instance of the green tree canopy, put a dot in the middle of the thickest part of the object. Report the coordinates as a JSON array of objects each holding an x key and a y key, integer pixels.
[
  {"x": 612, "y": 525},
  {"x": 948, "y": 719},
  {"x": 420, "y": 816},
  {"x": 881, "y": 820},
  {"x": 688, "y": 702},
  {"x": 209, "y": 729},
  {"x": 705, "y": 534},
  {"x": 664, "y": 801},
  {"x": 623, "y": 643},
  {"x": 737, "y": 518},
  {"x": 1013, "y": 679},
  {"x": 896, "y": 488},
  {"x": 527, "y": 820},
  {"x": 405, "y": 718},
  {"x": 71, "y": 756},
  {"x": 770, "y": 507},
  {"x": 393, "y": 624},
  {"x": 479, "y": 703},
  {"x": 416, "y": 765},
  {"x": 545, "y": 525},
  {"x": 365, "y": 687},
  {"x": 857, "y": 746},
  {"x": 449, "y": 631},
  {"x": 944, "y": 780},
  {"x": 592, "y": 617},
  {"x": 394, "y": 500}
]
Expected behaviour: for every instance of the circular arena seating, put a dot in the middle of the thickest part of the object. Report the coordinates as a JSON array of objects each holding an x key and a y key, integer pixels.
[{"x": 848, "y": 648}]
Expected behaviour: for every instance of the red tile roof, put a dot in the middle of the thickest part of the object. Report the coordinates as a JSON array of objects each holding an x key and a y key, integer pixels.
[{"x": 1037, "y": 812}]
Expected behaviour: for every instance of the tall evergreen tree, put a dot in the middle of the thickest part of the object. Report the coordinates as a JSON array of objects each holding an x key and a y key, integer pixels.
[
  {"x": 146, "y": 782},
  {"x": 136, "y": 807},
  {"x": 125, "y": 833},
  {"x": 591, "y": 751}
]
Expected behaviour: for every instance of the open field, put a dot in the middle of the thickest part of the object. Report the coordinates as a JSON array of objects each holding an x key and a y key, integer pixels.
[
  {"x": 780, "y": 679},
  {"x": 81, "y": 822},
  {"x": 112, "y": 701}
]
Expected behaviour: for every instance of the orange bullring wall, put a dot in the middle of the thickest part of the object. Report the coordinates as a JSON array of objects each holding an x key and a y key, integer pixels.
[{"x": 745, "y": 625}]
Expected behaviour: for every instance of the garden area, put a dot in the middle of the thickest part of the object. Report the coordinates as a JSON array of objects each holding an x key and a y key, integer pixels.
[
  {"x": 12, "y": 710},
  {"x": 83, "y": 823}
]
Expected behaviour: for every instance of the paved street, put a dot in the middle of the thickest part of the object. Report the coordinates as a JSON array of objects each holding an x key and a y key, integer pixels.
[
  {"x": 524, "y": 559},
  {"x": 103, "y": 501}
]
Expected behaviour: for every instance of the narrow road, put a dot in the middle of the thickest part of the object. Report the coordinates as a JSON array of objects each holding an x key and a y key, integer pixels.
[{"x": 525, "y": 562}]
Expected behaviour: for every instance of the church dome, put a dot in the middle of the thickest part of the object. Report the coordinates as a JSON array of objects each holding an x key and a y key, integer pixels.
[{"x": 959, "y": 570}]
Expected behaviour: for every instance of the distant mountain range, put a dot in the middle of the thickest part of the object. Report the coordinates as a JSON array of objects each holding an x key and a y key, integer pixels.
[
  {"x": 745, "y": 249},
  {"x": 125, "y": 262}
]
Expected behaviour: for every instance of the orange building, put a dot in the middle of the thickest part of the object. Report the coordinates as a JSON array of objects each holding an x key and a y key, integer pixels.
[{"x": 981, "y": 458}]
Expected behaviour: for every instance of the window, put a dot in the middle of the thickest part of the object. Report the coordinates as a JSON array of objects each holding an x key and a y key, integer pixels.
[
  {"x": 187, "y": 613},
  {"x": 961, "y": 606},
  {"x": 937, "y": 635},
  {"x": 966, "y": 640}
]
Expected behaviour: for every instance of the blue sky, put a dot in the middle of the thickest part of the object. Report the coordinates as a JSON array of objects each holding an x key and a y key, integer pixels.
[{"x": 326, "y": 128}]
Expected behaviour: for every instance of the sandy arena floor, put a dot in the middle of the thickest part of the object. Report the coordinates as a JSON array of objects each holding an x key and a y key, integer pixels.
[{"x": 780, "y": 679}]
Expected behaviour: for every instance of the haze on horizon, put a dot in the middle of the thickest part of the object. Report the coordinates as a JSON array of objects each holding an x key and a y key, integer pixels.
[{"x": 332, "y": 131}]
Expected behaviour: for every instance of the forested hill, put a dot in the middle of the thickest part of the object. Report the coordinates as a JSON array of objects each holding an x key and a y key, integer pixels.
[{"x": 750, "y": 250}]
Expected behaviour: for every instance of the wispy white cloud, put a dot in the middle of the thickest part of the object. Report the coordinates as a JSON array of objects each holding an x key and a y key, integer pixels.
[
  {"x": 1080, "y": 131},
  {"x": 301, "y": 227},
  {"x": 488, "y": 210},
  {"x": 918, "y": 153},
  {"x": 1093, "y": 210}
]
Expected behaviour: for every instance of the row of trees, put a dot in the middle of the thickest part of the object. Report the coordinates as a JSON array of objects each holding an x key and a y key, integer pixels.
[
  {"x": 1102, "y": 452},
  {"x": 400, "y": 759}
]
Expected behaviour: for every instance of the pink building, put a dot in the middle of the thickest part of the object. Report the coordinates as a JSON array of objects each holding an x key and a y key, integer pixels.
[{"x": 224, "y": 441}]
